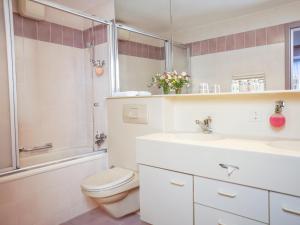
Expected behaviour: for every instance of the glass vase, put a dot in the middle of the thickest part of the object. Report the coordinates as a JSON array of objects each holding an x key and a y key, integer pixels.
[
  {"x": 178, "y": 90},
  {"x": 166, "y": 90}
]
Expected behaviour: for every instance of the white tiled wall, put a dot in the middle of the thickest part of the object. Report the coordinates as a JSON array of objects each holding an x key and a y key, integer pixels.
[
  {"x": 284, "y": 13},
  {"x": 218, "y": 68},
  {"x": 56, "y": 89},
  {"x": 49, "y": 198},
  {"x": 136, "y": 73},
  {"x": 233, "y": 115},
  {"x": 122, "y": 135}
]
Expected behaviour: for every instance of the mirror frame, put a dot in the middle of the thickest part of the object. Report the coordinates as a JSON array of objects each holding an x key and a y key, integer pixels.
[{"x": 288, "y": 53}]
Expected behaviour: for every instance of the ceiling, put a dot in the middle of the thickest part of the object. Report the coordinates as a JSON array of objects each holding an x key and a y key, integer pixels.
[{"x": 153, "y": 15}]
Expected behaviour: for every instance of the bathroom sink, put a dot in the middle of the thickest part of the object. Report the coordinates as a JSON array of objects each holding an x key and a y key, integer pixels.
[
  {"x": 214, "y": 156},
  {"x": 185, "y": 137},
  {"x": 197, "y": 137},
  {"x": 288, "y": 145}
]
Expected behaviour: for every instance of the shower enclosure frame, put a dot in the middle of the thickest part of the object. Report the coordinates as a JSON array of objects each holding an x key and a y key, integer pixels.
[
  {"x": 113, "y": 71},
  {"x": 10, "y": 53},
  {"x": 9, "y": 28}
]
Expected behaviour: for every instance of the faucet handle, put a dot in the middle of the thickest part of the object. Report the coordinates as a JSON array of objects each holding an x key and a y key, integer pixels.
[
  {"x": 205, "y": 124},
  {"x": 208, "y": 120}
]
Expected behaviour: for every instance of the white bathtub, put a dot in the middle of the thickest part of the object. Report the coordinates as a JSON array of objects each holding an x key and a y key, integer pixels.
[
  {"x": 40, "y": 157},
  {"x": 51, "y": 188}
]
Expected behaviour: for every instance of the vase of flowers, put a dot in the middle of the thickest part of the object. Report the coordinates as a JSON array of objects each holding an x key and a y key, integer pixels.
[
  {"x": 171, "y": 81},
  {"x": 179, "y": 81},
  {"x": 163, "y": 81}
]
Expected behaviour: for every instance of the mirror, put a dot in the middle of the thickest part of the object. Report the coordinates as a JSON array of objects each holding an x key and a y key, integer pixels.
[
  {"x": 139, "y": 58},
  {"x": 225, "y": 46}
]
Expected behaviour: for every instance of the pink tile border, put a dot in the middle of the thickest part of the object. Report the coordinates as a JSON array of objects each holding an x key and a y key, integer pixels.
[
  {"x": 239, "y": 40},
  {"x": 18, "y": 25},
  {"x": 221, "y": 44},
  {"x": 43, "y": 33},
  {"x": 204, "y": 47},
  {"x": 68, "y": 36},
  {"x": 140, "y": 50},
  {"x": 248, "y": 39},
  {"x": 230, "y": 42},
  {"x": 261, "y": 37},
  {"x": 30, "y": 28},
  {"x": 212, "y": 45},
  {"x": 275, "y": 34},
  {"x": 58, "y": 34},
  {"x": 196, "y": 48}
]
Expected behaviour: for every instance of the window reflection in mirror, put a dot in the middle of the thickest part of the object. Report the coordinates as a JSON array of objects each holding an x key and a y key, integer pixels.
[
  {"x": 295, "y": 59},
  {"x": 140, "y": 57}
]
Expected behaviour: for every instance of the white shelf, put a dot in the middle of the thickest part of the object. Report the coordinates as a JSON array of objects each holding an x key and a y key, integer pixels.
[{"x": 289, "y": 92}]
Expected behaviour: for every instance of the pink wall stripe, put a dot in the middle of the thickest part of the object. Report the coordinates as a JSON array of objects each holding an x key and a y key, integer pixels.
[
  {"x": 141, "y": 50},
  {"x": 253, "y": 38},
  {"x": 58, "y": 34}
]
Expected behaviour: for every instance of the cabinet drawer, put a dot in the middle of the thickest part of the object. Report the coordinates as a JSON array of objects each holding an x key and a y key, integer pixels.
[
  {"x": 208, "y": 216},
  {"x": 166, "y": 197},
  {"x": 244, "y": 201},
  {"x": 284, "y": 209}
]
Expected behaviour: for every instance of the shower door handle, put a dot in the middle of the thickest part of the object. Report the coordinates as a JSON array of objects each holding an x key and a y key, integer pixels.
[{"x": 46, "y": 146}]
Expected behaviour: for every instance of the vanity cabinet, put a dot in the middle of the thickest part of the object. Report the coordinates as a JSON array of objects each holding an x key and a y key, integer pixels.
[
  {"x": 210, "y": 216},
  {"x": 236, "y": 181},
  {"x": 284, "y": 209},
  {"x": 174, "y": 198},
  {"x": 166, "y": 197},
  {"x": 237, "y": 199}
]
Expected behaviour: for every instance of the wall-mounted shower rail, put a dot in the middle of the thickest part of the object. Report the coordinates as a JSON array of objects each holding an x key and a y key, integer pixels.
[
  {"x": 138, "y": 31},
  {"x": 72, "y": 11}
]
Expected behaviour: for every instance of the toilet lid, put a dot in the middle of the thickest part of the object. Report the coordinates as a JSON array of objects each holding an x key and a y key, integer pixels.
[{"x": 107, "y": 179}]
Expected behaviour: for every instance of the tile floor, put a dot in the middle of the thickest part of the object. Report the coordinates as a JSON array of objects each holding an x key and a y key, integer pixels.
[{"x": 99, "y": 217}]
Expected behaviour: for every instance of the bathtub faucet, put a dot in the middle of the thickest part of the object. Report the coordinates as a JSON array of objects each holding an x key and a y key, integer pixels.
[{"x": 100, "y": 139}]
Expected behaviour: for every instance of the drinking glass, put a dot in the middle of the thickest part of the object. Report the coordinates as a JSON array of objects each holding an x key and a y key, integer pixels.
[{"x": 204, "y": 88}]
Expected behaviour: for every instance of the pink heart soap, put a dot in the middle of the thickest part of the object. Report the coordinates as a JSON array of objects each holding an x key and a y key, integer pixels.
[{"x": 277, "y": 120}]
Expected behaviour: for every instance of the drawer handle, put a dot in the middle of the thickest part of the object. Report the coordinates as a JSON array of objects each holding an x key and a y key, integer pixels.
[
  {"x": 176, "y": 183},
  {"x": 229, "y": 195},
  {"x": 291, "y": 211},
  {"x": 220, "y": 223}
]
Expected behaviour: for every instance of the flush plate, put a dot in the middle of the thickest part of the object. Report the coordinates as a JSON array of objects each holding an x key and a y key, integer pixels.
[{"x": 135, "y": 113}]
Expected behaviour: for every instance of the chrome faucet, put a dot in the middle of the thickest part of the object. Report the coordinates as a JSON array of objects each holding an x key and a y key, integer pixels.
[
  {"x": 100, "y": 138},
  {"x": 205, "y": 125}
]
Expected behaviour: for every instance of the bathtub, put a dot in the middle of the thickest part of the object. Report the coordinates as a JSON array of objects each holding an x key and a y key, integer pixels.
[
  {"x": 44, "y": 156},
  {"x": 53, "y": 187}
]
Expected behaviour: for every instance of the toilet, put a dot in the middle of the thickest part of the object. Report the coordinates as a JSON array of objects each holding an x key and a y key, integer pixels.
[{"x": 116, "y": 190}]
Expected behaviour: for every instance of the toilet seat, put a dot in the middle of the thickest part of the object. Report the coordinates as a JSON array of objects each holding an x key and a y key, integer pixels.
[
  {"x": 116, "y": 190},
  {"x": 115, "y": 180}
]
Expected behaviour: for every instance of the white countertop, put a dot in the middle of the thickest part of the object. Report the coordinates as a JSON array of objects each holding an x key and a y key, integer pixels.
[
  {"x": 260, "y": 145},
  {"x": 260, "y": 164}
]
